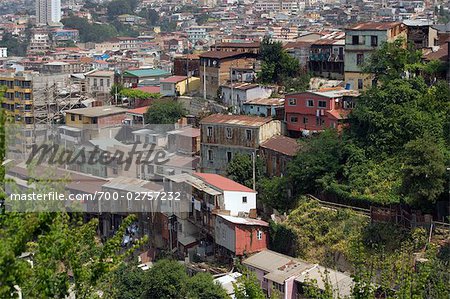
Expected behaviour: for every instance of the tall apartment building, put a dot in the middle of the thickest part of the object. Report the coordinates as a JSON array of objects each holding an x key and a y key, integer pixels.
[
  {"x": 31, "y": 104},
  {"x": 48, "y": 11},
  {"x": 360, "y": 41}
]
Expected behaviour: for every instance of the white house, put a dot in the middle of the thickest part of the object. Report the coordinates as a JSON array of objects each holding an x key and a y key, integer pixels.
[
  {"x": 235, "y": 95},
  {"x": 3, "y": 52}
]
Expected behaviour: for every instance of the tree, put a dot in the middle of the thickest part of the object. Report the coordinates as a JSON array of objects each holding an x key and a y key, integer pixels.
[
  {"x": 240, "y": 169},
  {"x": 202, "y": 286},
  {"x": 150, "y": 15},
  {"x": 90, "y": 32},
  {"x": 247, "y": 287},
  {"x": 164, "y": 112},
  {"x": 166, "y": 279},
  {"x": 423, "y": 171},
  {"x": 136, "y": 94},
  {"x": 392, "y": 60},
  {"x": 277, "y": 65},
  {"x": 276, "y": 192},
  {"x": 128, "y": 282},
  {"x": 320, "y": 158},
  {"x": 15, "y": 45}
]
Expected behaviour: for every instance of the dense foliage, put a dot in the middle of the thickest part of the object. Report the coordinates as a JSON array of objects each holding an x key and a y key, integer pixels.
[
  {"x": 90, "y": 32},
  {"x": 395, "y": 148},
  {"x": 166, "y": 279},
  {"x": 164, "y": 112},
  {"x": 278, "y": 67}
]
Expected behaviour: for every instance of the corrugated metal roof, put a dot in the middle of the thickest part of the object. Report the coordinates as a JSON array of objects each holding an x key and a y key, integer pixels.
[
  {"x": 146, "y": 73},
  {"x": 222, "y": 183},
  {"x": 282, "y": 144},
  {"x": 374, "y": 26},
  {"x": 244, "y": 221},
  {"x": 242, "y": 120}
]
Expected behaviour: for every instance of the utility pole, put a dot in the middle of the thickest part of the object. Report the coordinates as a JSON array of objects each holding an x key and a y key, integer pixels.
[
  {"x": 254, "y": 169},
  {"x": 204, "y": 80}
]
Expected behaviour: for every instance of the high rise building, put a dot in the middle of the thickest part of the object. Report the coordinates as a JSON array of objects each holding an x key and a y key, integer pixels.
[{"x": 48, "y": 11}]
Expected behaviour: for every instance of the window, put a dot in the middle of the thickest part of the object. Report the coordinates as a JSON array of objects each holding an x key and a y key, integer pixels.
[
  {"x": 305, "y": 120},
  {"x": 229, "y": 157},
  {"x": 95, "y": 82},
  {"x": 374, "y": 40},
  {"x": 292, "y": 102},
  {"x": 101, "y": 82},
  {"x": 322, "y": 104},
  {"x": 355, "y": 39},
  {"x": 309, "y": 103},
  {"x": 108, "y": 82},
  {"x": 80, "y": 117},
  {"x": 209, "y": 131},
  {"x": 294, "y": 119},
  {"x": 94, "y": 120},
  {"x": 360, "y": 84},
  {"x": 278, "y": 287},
  {"x": 210, "y": 155},
  {"x": 115, "y": 171},
  {"x": 244, "y": 199},
  {"x": 248, "y": 134},
  {"x": 359, "y": 59},
  {"x": 374, "y": 82},
  {"x": 228, "y": 132},
  {"x": 259, "y": 235},
  {"x": 72, "y": 117}
]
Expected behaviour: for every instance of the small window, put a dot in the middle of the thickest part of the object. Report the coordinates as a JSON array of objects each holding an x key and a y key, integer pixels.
[
  {"x": 294, "y": 119},
  {"x": 115, "y": 171},
  {"x": 101, "y": 82},
  {"x": 309, "y": 103},
  {"x": 374, "y": 40},
  {"x": 72, "y": 117},
  {"x": 355, "y": 39},
  {"x": 360, "y": 83},
  {"x": 305, "y": 120},
  {"x": 210, "y": 155},
  {"x": 94, "y": 120},
  {"x": 359, "y": 59},
  {"x": 292, "y": 102},
  {"x": 248, "y": 134},
  {"x": 259, "y": 235},
  {"x": 209, "y": 131},
  {"x": 79, "y": 117},
  {"x": 322, "y": 104},
  {"x": 244, "y": 199},
  {"x": 229, "y": 157},
  {"x": 95, "y": 82},
  {"x": 374, "y": 82},
  {"x": 229, "y": 132}
]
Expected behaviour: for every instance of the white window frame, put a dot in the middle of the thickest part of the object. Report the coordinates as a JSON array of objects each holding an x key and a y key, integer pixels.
[{"x": 308, "y": 103}]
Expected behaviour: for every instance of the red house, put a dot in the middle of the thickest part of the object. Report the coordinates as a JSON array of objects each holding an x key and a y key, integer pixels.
[
  {"x": 238, "y": 236},
  {"x": 313, "y": 111}
]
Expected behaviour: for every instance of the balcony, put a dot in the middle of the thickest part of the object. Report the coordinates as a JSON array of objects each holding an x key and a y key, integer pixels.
[{"x": 319, "y": 57}]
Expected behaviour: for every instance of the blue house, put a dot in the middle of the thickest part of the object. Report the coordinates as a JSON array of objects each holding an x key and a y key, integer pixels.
[{"x": 262, "y": 107}]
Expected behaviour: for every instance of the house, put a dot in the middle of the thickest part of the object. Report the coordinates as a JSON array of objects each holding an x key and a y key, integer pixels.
[
  {"x": 99, "y": 83},
  {"x": 360, "y": 41},
  {"x": 244, "y": 47},
  {"x": 326, "y": 58},
  {"x": 299, "y": 50},
  {"x": 289, "y": 276},
  {"x": 265, "y": 107},
  {"x": 276, "y": 153},
  {"x": 179, "y": 85},
  {"x": 184, "y": 140},
  {"x": 313, "y": 111},
  {"x": 89, "y": 122},
  {"x": 216, "y": 68},
  {"x": 202, "y": 197},
  {"x": 186, "y": 65},
  {"x": 421, "y": 34},
  {"x": 125, "y": 43},
  {"x": 236, "y": 94},
  {"x": 136, "y": 117},
  {"x": 238, "y": 236},
  {"x": 143, "y": 77},
  {"x": 223, "y": 136}
]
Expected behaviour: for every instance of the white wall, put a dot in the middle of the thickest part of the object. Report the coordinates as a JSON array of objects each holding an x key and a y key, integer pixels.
[{"x": 233, "y": 202}]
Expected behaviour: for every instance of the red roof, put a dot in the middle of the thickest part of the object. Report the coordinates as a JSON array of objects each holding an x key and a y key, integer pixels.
[
  {"x": 222, "y": 183},
  {"x": 149, "y": 89},
  {"x": 174, "y": 79},
  {"x": 140, "y": 110},
  {"x": 282, "y": 144},
  {"x": 339, "y": 113}
]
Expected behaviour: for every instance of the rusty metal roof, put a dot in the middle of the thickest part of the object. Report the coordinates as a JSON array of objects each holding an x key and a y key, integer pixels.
[
  {"x": 240, "y": 120},
  {"x": 374, "y": 26}
]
